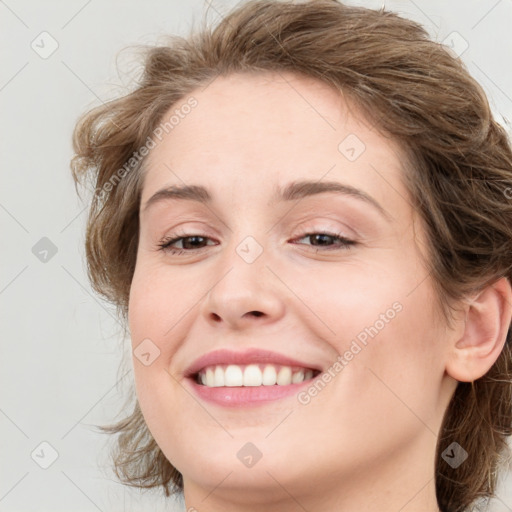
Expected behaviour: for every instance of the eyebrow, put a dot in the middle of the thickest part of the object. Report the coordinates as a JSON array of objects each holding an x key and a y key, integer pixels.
[
  {"x": 189, "y": 192},
  {"x": 292, "y": 191},
  {"x": 301, "y": 189}
]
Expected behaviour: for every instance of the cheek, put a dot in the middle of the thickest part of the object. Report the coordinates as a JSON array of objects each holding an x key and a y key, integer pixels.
[
  {"x": 385, "y": 328},
  {"x": 346, "y": 299},
  {"x": 154, "y": 313},
  {"x": 160, "y": 305},
  {"x": 395, "y": 369},
  {"x": 158, "y": 322}
]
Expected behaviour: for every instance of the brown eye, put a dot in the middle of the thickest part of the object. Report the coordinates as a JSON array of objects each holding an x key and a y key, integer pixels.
[
  {"x": 192, "y": 242},
  {"x": 188, "y": 243},
  {"x": 321, "y": 239},
  {"x": 327, "y": 240}
]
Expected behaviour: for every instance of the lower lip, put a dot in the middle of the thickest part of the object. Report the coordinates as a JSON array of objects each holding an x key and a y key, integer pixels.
[{"x": 246, "y": 396}]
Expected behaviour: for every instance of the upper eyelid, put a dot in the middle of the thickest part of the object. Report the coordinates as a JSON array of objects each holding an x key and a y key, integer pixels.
[
  {"x": 301, "y": 234},
  {"x": 316, "y": 224}
]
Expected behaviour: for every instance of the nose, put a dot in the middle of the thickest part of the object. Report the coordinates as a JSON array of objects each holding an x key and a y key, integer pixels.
[{"x": 247, "y": 294}]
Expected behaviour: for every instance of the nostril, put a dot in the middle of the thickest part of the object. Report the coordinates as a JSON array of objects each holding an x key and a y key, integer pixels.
[{"x": 216, "y": 318}]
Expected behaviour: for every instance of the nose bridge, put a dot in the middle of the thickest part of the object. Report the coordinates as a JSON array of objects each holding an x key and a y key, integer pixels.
[{"x": 246, "y": 289}]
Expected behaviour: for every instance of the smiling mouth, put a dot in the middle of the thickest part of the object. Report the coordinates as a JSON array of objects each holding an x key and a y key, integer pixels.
[{"x": 252, "y": 375}]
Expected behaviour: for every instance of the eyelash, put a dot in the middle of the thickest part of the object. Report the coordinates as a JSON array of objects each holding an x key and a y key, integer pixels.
[{"x": 166, "y": 243}]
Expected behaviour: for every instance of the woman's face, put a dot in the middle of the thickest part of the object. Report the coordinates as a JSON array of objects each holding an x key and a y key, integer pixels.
[{"x": 298, "y": 260}]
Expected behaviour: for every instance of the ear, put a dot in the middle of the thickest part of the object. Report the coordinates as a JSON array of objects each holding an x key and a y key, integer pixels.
[{"x": 486, "y": 324}]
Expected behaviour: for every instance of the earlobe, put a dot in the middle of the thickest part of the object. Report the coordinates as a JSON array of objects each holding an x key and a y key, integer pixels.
[{"x": 487, "y": 321}]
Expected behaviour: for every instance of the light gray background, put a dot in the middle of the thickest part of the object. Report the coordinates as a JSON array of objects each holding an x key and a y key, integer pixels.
[{"x": 61, "y": 345}]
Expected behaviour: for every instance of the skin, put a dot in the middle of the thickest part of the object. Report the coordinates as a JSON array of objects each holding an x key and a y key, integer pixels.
[{"x": 367, "y": 441}]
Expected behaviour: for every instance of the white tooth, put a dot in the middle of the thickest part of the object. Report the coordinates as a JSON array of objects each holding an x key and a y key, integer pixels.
[
  {"x": 233, "y": 376},
  {"x": 210, "y": 377},
  {"x": 298, "y": 377},
  {"x": 202, "y": 378},
  {"x": 252, "y": 375},
  {"x": 308, "y": 375},
  {"x": 218, "y": 380},
  {"x": 284, "y": 377},
  {"x": 269, "y": 375}
]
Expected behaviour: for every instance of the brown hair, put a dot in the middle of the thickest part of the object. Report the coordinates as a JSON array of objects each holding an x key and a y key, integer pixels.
[{"x": 459, "y": 172}]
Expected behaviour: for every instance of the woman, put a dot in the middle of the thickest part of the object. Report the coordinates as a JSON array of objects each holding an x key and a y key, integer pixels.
[{"x": 303, "y": 214}]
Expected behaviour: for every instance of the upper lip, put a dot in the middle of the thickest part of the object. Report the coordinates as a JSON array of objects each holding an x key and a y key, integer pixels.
[{"x": 224, "y": 356}]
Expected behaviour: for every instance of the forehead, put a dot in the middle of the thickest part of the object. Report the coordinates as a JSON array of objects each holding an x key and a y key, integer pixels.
[{"x": 262, "y": 129}]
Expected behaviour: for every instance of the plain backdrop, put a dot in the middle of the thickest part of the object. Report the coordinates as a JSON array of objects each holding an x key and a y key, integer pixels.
[{"x": 61, "y": 345}]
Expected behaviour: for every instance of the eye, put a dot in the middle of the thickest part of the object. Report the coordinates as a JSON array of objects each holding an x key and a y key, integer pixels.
[
  {"x": 189, "y": 243},
  {"x": 323, "y": 240},
  {"x": 193, "y": 243}
]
